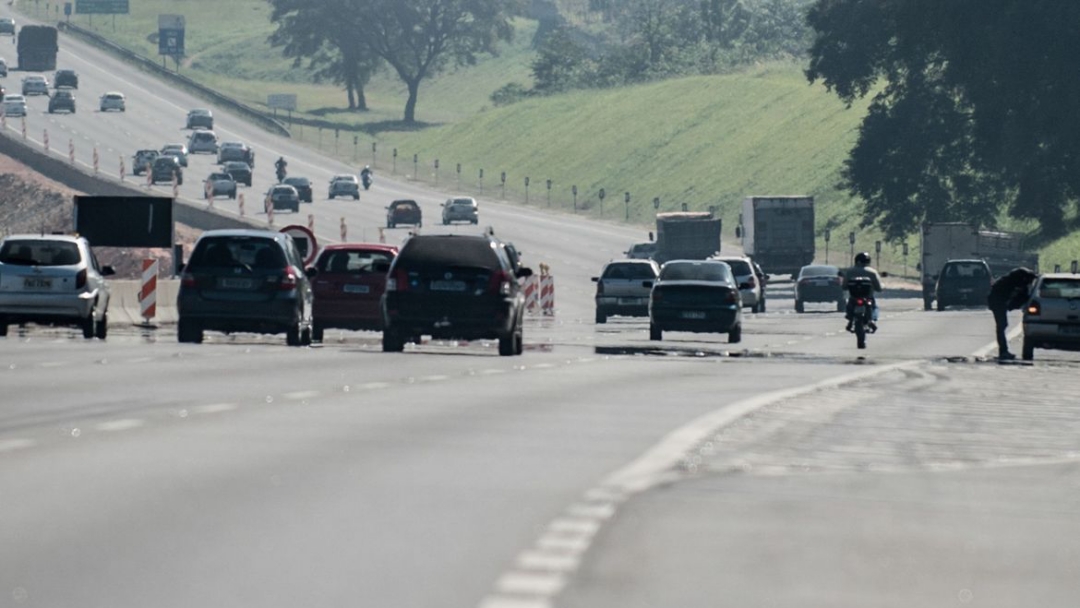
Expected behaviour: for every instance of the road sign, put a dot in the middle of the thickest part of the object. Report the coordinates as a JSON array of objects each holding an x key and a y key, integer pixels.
[
  {"x": 305, "y": 241},
  {"x": 101, "y": 7},
  {"x": 171, "y": 35},
  {"x": 67, "y": 9},
  {"x": 125, "y": 221},
  {"x": 281, "y": 101}
]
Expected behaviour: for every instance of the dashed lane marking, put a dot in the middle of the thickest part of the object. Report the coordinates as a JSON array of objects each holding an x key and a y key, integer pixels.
[
  {"x": 528, "y": 583},
  {"x": 547, "y": 561},
  {"x": 124, "y": 424},
  {"x": 11, "y": 445},
  {"x": 214, "y": 408},
  {"x": 301, "y": 395}
]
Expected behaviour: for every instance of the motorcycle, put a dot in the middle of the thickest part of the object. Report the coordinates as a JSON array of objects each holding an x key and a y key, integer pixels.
[
  {"x": 366, "y": 179},
  {"x": 280, "y": 174},
  {"x": 862, "y": 306}
]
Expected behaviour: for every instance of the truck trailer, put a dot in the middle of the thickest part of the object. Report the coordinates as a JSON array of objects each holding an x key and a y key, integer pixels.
[
  {"x": 778, "y": 232},
  {"x": 686, "y": 235},
  {"x": 37, "y": 48},
  {"x": 944, "y": 241}
]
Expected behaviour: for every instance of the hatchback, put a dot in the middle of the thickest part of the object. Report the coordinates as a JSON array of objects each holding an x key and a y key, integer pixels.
[
  {"x": 62, "y": 100},
  {"x": 623, "y": 289},
  {"x": 53, "y": 280},
  {"x": 344, "y": 185},
  {"x": 179, "y": 151},
  {"x": 233, "y": 150},
  {"x": 819, "y": 283},
  {"x": 14, "y": 105},
  {"x": 219, "y": 184},
  {"x": 7, "y": 26},
  {"x": 245, "y": 281},
  {"x": 203, "y": 141},
  {"x": 239, "y": 170},
  {"x": 963, "y": 283},
  {"x": 1052, "y": 316},
  {"x": 113, "y": 101},
  {"x": 283, "y": 196},
  {"x": 348, "y": 285},
  {"x": 142, "y": 160},
  {"x": 200, "y": 119},
  {"x": 641, "y": 251},
  {"x": 303, "y": 187},
  {"x": 66, "y": 79},
  {"x": 460, "y": 210},
  {"x": 695, "y": 296},
  {"x": 403, "y": 212},
  {"x": 165, "y": 169},
  {"x": 35, "y": 85},
  {"x": 457, "y": 288}
]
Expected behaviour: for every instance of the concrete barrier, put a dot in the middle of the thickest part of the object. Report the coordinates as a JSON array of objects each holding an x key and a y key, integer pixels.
[{"x": 124, "y": 302}]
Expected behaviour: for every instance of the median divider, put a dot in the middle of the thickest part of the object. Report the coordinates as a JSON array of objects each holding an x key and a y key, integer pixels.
[{"x": 125, "y": 305}]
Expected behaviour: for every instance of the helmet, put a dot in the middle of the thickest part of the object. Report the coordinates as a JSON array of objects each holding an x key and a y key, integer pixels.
[
  {"x": 367, "y": 167},
  {"x": 862, "y": 259}
]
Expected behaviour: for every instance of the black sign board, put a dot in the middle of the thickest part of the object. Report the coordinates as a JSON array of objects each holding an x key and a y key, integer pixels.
[{"x": 125, "y": 221}]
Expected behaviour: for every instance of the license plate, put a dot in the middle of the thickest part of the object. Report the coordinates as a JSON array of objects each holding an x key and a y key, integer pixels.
[
  {"x": 1069, "y": 329},
  {"x": 860, "y": 310},
  {"x": 236, "y": 283},
  {"x": 967, "y": 290},
  {"x": 357, "y": 289},
  {"x": 629, "y": 301},
  {"x": 448, "y": 286},
  {"x": 37, "y": 283},
  {"x": 693, "y": 314}
]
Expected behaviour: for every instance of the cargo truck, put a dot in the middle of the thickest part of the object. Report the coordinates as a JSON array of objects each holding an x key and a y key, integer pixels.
[
  {"x": 944, "y": 241},
  {"x": 37, "y": 48},
  {"x": 778, "y": 232},
  {"x": 686, "y": 235}
]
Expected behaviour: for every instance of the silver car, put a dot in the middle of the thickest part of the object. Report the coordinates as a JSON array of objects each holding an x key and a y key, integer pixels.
[
  {"x": 283, "y": 196},
  {"x": 14, "y": 105},
  {"x": 178, "y": 151},
  {"x": 53, "y": 280},
  {"x": 1052, "y": 316},
  {"x": 113, "y": 101},
  {"x": 203, "y": 141},
  {"x": 460, "y": 210},
  {"x": 344, "y": 185},
  {"x": 35, "y": 85},
  {"x": 749, "y": 287},
  {"x": 623, "y": 288}
]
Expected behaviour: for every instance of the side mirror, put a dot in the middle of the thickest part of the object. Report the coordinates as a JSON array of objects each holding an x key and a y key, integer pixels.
[
  {"x": 107, "y": 271},
  {"x": 311, "y": 272},
  {"x": 596, "y": 279},
  {"x": 647, "y": 284},
  {"x": 523, "y": 273}
]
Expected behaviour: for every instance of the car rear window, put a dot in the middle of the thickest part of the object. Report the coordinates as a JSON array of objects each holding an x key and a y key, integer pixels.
[
  {"x": 1060, "y": 288},
  {"x": 220, "y": 177},
  {"x": 353, "y": 261},
  {"x": 428, "y": 251},
  {"x": 203, "y": 137},
  {"x": 39, "y": 253},
  {"x": 404, "y": 205},
  {"x": 695, "y": 271},
  {"x": 966, "y": 271},
  {"x": 629, "y": 271},
  {"x": 232, "y": 251},
  {"x": 739, "y": 267},
  {"x": 819, "y": 271}
]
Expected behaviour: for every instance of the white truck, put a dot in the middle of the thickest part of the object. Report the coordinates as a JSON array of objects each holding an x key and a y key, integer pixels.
[
  {"x": 944, "y": 241},
  {"x": 778, "y": 232}
]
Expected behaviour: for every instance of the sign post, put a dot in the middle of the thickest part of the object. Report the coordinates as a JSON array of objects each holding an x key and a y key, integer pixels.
[
  {"x": 828, "y": 235},
  {"x": 170, "y": 37},
  {"x": 602, "y": 194}
]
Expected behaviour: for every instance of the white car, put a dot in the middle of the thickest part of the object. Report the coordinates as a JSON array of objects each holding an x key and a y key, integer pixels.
[
  {"x": 35, "y": 85},
  {"x": 746, "y": 279},
  {"x": 180, "y": 151},
  {"x": 14, "y": 105},
  {"x": 113, "y": 101},
  {"x": 203, "y": 140}
]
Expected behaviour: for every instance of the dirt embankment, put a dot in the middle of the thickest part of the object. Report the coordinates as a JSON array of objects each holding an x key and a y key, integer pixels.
[{"x": 32, "y": 203}]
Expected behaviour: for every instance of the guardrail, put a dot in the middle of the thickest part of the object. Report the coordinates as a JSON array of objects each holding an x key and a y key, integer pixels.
[{"x": 198, "y": 88}]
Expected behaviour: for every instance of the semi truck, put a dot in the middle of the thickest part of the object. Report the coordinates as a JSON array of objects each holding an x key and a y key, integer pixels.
[
  {"x": 37, "y": 48},
  {"x": 944, "y": 241},
  {"x": 686, "y": 235},
  {"x": 778, "y": 232}
]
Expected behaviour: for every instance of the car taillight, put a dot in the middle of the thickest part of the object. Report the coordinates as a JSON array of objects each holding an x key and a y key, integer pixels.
[
  {"x": 599, "y": 288},
  {"x": 732, "y": 297},
  {"x": 288, "y": 281},
  {"x": 80, "y": 279},
  {"x": 860, "y": 302},
  {"x": 399, "y": 281},
  {"x": 751, "y": 283},
  {"x": 187, "y": 280},
  {"x": 500, "y": 283},
  {"x": 1034, "y": 308}
]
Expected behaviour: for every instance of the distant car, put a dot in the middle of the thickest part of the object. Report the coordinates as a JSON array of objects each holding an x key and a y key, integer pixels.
[
  {"x": 963, "y": 283},
  {"x": 303, "y": 187},
  {"x": 1052, "y": 316},
  {"x": 819, "y": 283},
  {"x": 113, "y": 101},
  {"x": 3, "y": 67},
  {"x": 7, "y": 26},
  {"x": 234, "y": 150},
  {"x": 244, "y": 281},
  {"x": 454, "y": 287},
  {"x": 750, "y": 289},
  {"x": 14, "y": 105},
  {"x": 403, "y": 212},
  {"x": 62, "y": 100},
  {"x": 239, "y": 170},
  {"x": 219, "y": 184},
  {"x": 35, "y": 85},
  {"x": 696, "y": 296},
  {"x": 623, "y": 288},
  {"x": 203, "y": 141},
  {"x": 164, "y": 168},
  {"x": 462, "y": 209},
  {"x": 53, "y": 280},
  {"x": 179, "y": 151},
  {"x": 348, "y": 286},
  {"x": 283, "y": 196},
  {"x": 66, "y": 79},
  {"x": 641, "y": 251},
  {"x": 200, "y": 119},
  {"x": 143, "y": 159},
  {"x": 344, "y": 185}
]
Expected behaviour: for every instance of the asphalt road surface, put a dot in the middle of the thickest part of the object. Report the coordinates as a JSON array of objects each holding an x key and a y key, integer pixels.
[{"x": 599, "y": 469}]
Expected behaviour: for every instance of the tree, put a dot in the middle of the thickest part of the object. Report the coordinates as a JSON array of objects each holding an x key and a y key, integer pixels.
[
  {"x": 992, "y": 86},
  {"x": 561, "y": 63},
  {"x": 419, "y": 38}
]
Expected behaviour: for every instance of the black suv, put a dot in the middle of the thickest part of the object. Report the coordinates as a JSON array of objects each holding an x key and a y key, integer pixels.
[
  {"x": 164, "y": 168},
  {"x": 454, "y": 287},
  {"x": 66, "y": 79},
  {"x": 62, "y": 100},
  {"x": 963, "y": 283},
  {"x": 245, "y": 281}
]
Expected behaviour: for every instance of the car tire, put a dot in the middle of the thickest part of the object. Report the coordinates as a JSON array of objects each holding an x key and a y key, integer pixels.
[
  {"x": 735, "y": 335},
  {"x": 446, "y": 222},
  {"x": 3, "y": 327},
  {"x": 292, "y": 335},
  {"x": 1027, "y": 353},
  {"x": 756, "y": 308},
  {"x": 316, "y": 331},
  {"x": 188, "y": 332},
  {"x": 799, "y": 306},
  {"x": 89, "y": 326},
  {"x": 940, "y": 306},
  {"x": 601, "y": 318},
  {"x": 507, "y": 346},
  {"x": 390, "y": 224},
  {"x": 928, "y": 304},
  {"x": 519, "y": 342},
  {"x": 392, "y": 342},
  {"x": 102, "y": 328},
  {"x": 762, "y": 304},
  {"x": 331, "y": 197},
  {"x": 356, "y": 197},
  {"x": 305, "y": 337},
  {"x": 655, "y": 333}
]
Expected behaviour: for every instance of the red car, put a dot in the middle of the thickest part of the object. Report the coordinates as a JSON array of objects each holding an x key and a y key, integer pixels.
[{"x": 349, "y": 283}]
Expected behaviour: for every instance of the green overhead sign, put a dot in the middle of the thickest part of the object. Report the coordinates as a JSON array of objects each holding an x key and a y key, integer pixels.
[{"x": 101, "y": 7}]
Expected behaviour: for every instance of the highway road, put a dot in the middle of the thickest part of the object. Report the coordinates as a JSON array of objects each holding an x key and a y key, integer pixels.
[{"x": 599, "y": 469}]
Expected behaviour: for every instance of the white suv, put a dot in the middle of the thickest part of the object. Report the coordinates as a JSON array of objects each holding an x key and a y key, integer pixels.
[
  {"x": 203, "y": 141},
  {"x": 750, "y": 287}
]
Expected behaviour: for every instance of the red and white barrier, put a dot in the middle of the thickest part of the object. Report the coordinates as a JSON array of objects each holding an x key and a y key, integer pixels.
[
  {"x": 175, "y": 187},
  {"x": 148, "y": 291},
  {"x": 269, "y": 205},
  {"x": 240, "y": 203},
  {"x": 344, "y": 230},
  {"x": 97, "y": 161},
  {"x": 3, "y": 120},
  {"x": 123, "y": 170},
  {"x": 24, "y": 128},
  {"x": 382, "y": 235},
  {"x": 71, "y": 151},
  {"x": 45, "y": 140},
  {"x": 209, "y": 193},
  {"x": 547, "y": 295},
  {"x": 532, "y": 293},
  {"x": 311, "y": 222}
]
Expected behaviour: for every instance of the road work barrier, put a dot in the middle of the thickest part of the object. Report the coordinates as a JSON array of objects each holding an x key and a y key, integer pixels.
[
  {"x": 148, "y": 290},
  {"x": 547, "y": 291},
  {"x": 532, "y": 294},
  {"x": 125, "y": 305},
  {"x": 344, "y": 230}
]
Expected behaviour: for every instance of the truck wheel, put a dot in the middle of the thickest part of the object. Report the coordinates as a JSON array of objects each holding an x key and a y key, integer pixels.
[{"x": 798, "y": 306}]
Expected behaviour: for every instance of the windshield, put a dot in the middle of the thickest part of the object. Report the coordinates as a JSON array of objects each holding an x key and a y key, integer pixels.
[
  {"x": 629, "y": 271},
  {"x": 695, "y": 271},
  {"x": 39, "y": 253},
  {"x": 819, "y": 271}
]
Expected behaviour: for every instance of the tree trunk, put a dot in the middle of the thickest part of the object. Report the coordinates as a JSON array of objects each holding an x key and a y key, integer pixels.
[
  {"x": 352, "y": 97},
  {"x": 361, "y": 99},
  {"x": 410, "y": 105}
]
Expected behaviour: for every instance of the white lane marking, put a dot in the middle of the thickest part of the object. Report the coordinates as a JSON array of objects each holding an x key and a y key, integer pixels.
[
  {"x": 543, "y": 560},
  {"x": 301, "y": 395},
  {"x": 543, "y": 366},
  {"x": 49, "y": 364},
  {"x": 374, "y": 386},
  {"x": 124, "y": 424},
  {"x": 528, "y": 583},
  {"x": 563, "y": 544},
  {"x": 573, "y": 527},
  {"x": 591, "y": 511},
  {"x": 492, "y": 372},
  {"x": 985, "y": 351},
  {"x": 214, "y": 408},
  {"x": 496, "y": 601},
  {"x": 435, "y": 378},
  {"x": 10, "y": 445}
]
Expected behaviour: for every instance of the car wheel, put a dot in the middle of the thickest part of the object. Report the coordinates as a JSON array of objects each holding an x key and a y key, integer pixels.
[
  {"x": 799, "y": 306},
  {"x": 3, "y": 327},
  {"x": 446, "y": 222},
  {"x": 940, "y": 306},
  {"x": 390, "y": 224},
  {"x": 507, "y": 346},
  {"x": 102, "y": 329},
  {"x": 756, "y": 308},
  {"x": 89, "y": 326},
  {"x": 305, "y": 337},
  {"x": 655, "y": 333},
  {"x": 356, "y": 197},
  {"x": 735, "y": 335},
  {"x": 392, "y": 342},
  {"x": 331, "y": 197},
  {"x": 928, "y": 303},
  {"x": 188, "y": 332},
  {"x": 316, "y": 331},
  {"x": 1028, "y": 351},
  {"x": 292, "y": 335},
  {"x": 601, "y": 318},
  {"x": 519, "y": 342}
]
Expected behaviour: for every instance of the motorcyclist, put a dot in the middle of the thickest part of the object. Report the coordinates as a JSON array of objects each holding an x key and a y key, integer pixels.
[
  {"x": 366, "y": 175},
  {"x": 280, "y": 165},
  {"x": 863, "y": 269}
]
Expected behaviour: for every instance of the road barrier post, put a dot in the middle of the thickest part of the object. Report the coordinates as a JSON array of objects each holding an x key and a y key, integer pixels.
[
  {"x": 268, "y": 206},
  {"x": 123, "y": 171},
  {"x": 24, "y": 128},
  {"x": 148, "y": 290},
  {"x": 240, "y": 203},
  {"x": 97, "y": 161},
  {"x": 175, "y": 187},
  {"x": 3, "y": 121},
  {"x": 45, "y": 140},
  {"x": 71, "y": 150},
  {"x": 208, "y": 192},
  {"x": 382, "y": 235},
  {"x": 344, "y": 230},
  {"x": 311, "y": 222}
]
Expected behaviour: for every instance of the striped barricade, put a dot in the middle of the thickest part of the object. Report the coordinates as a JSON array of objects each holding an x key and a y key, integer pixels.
[{"x": 148, "y": 290}]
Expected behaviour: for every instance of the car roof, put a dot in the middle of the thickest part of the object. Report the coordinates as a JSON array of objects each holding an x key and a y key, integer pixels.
[
  {"x": 235, "y": 162},
  {"x": 1060, "y": 275},
  {"x": 107, "y": 93},
  {"x": 220, "y": 174},
  {"x": 199, "y": 111},
  {"x": 232, "y": 144},
  {"x": 364, "y": 246},
  {"x": 244, "y": 232},
  {"x": 631, "y": 261},
  {"x": 282, "y": 187},
  {"x": 966, "y": 261},
  {"x": 43, "y": 237},
  {"x": 347, "y": 176},
  {"x": 297, "y": 178},
  {"x": 174, "y": 146},
  {"x": 65, "y": 71},
  {"x": 403, "y": 201}
]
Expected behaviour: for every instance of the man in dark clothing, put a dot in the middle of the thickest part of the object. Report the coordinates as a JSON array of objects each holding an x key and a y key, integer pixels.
[{"x": 1009, "y": 292}]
